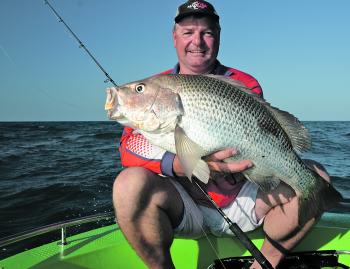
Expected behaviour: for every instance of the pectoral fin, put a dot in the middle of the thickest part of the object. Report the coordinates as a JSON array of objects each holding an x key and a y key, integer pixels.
[{"x": 190, "y": 154}]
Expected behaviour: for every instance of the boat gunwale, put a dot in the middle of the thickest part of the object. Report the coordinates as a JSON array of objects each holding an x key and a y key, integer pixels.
[
  {"x": 327, "y": 220},
  {"x": 62, "y": 225}
]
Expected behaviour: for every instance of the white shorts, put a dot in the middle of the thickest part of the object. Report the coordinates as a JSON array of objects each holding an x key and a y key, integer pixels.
[{"x": 198, "y": 220}]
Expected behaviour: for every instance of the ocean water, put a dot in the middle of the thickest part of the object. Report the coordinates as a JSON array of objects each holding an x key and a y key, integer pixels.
[{"x": 55, "y": 171}]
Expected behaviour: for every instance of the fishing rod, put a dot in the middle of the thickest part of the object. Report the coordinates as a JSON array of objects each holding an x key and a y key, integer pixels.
[
  {"x": 81, "y": 44},
  {"x": 237, "y": 231}
]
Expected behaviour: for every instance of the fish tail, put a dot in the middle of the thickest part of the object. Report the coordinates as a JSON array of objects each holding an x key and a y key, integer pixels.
[{"x": 323, "y": 197}]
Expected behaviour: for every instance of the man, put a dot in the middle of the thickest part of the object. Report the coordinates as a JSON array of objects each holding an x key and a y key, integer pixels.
[{"x": 151, "y": 209}]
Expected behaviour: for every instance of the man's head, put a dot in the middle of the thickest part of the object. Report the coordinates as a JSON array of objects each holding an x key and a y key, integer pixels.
[{"x": 196, "y": 37}]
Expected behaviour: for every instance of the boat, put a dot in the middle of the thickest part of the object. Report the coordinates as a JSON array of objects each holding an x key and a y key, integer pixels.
[{"x": 327, "y": 245}]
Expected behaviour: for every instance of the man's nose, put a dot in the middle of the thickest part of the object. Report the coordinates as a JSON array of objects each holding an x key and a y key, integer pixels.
[{"x": 197, "y": 39}]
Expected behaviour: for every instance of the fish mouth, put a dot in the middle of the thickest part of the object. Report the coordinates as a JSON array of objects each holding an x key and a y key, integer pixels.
[
  {"x": 110, "y": 100},
  {"x": 112, "y": 104}
]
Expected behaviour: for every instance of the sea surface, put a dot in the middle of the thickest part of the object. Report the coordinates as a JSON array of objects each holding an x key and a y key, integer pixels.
[{"x": 55, "y": 171}]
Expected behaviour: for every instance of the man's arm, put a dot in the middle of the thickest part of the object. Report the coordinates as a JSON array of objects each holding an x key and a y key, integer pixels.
[{"x": 136, "y": 150}]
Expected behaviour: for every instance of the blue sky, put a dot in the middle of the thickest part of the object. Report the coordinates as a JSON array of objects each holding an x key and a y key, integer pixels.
[{"x": 298, "y": 50}]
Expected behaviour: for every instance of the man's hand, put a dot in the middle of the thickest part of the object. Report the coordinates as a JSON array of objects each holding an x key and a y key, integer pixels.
[{"x": 216, "y": 163}]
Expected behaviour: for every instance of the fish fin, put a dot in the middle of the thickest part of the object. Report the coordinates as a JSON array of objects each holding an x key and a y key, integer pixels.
[
  {"x": 201, "y": 171},
  {"x": 190, "y": 154},
  {"x": 296, "y": 131},
  {"x": 322, "y": 198},
  {"x": 265, "y": 183},
  {"x": 239, "y": 85},
  {"x": 235, "y": 83}
]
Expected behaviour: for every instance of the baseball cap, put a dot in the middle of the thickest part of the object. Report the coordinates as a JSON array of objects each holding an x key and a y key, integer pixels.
[{"x": 192, "y": 7}]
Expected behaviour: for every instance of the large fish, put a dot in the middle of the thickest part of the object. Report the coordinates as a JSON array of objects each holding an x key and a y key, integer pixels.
[{"x": 195, "y": 115}]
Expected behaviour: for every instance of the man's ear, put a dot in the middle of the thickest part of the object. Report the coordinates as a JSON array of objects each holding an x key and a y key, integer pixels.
[{"x": 174, "y": 38}]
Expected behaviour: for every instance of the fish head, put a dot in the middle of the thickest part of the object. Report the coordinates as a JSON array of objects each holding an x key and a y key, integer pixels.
[{"x": 149, "y": 105}]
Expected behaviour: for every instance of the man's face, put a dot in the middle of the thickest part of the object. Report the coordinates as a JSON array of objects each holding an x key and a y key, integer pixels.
[{"x": 197, "y": 44}]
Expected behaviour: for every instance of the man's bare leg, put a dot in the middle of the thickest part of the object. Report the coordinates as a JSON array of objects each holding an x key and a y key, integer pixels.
[
  {"x": 148, "y": 208},
  {"x": 281, "y": 225},
  {"x": 281, "y": 220}
]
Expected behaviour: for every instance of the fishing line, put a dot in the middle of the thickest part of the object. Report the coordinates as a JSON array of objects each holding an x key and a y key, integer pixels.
[
  {"x": 8, "y": 56},
  {"x": 237, "y": 231},
  {"x": 58, "y": 99},
  {"x": 208, "y": 239},
  {"x": 35, "y": 85},
  {"x": 81, "y": 44},
  {"x": 211, "y": 245}
]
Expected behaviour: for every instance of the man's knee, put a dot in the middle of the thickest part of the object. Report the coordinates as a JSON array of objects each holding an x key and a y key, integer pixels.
[
  {"x": 132, "y": 193},
  {"x": 141, "y": 187},
  {"x": 132, "y": 183},
  {"x": 137, "y": 189},
  {"x": 130, "y": 177}
]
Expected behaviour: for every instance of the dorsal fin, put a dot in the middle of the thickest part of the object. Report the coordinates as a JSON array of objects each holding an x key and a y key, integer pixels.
[
  {"x": 295, "y": 130},
  {"x": 231, "y": 81},
  {"x": 236, "y": 83}
]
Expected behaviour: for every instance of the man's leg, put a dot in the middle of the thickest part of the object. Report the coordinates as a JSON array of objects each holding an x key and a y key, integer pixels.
[
  {"x": 280, "y": 208},
  {"x": 148, "y": 208}
]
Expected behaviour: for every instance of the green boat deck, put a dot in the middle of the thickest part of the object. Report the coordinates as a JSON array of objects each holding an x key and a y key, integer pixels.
[{"x": 106, "y": 247}]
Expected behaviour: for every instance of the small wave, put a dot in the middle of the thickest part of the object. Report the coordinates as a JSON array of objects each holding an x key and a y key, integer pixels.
[
  {"x": 9, "y": 159},
  {"x": 111, "y": 135},
  {"x": 91, "y": 137},
  {"x": 3, "y": 137},
  {"x": 342, "y": 184},
  {"x": 52, "y": 203},
  {"x": 53, "y": 129},
  {"x": 341, "y": 180}
]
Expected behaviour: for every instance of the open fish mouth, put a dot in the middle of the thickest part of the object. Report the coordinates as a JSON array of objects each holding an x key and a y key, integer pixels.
[
  {"x": 112, "y": 104},
  {"x": 111, "y": 98}
]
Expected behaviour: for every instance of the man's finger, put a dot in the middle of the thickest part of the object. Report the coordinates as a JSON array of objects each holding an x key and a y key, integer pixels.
[
  {"x": 230, "y": 167},
  {"x": 220, "y": 155}
]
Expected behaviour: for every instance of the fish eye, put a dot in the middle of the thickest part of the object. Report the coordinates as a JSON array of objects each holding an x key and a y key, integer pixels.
[{"x": 140, "y": 88}]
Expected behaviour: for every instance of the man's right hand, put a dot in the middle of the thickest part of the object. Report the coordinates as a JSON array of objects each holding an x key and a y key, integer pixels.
[{"x": 217, "y": 164}]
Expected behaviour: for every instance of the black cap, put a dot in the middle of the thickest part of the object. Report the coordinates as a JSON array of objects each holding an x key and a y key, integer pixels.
[{"x": 199, "y": 7}]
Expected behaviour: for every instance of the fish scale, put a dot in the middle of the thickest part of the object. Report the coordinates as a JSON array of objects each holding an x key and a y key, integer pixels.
[
  {"x": 237, "y": 115},
  {"x": 209, "y": 104}
]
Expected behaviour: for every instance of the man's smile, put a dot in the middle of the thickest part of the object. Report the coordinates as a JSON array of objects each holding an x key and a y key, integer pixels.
[{"x": 197, "y": 52}]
